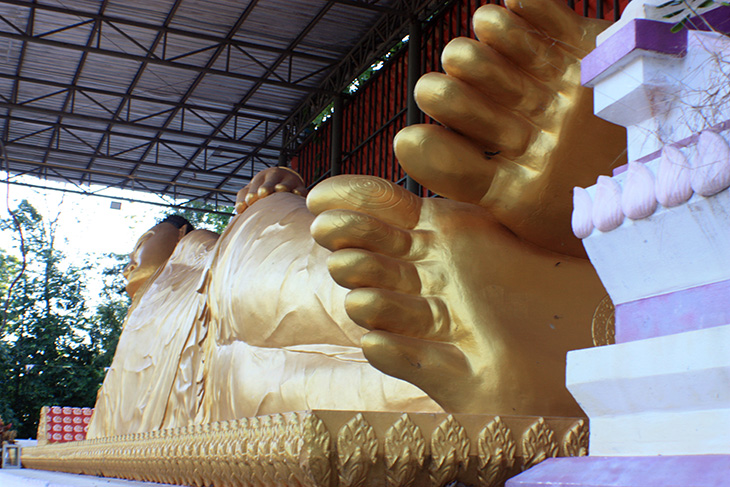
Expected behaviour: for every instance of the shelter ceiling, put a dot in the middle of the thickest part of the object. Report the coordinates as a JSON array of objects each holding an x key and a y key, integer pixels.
[{"x": 188, "y": 98}]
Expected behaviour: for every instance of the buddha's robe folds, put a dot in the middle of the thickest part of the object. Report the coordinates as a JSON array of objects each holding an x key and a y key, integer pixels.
[
  {"x": 279, "y": 338},
  {"x": 158, "y": 351},
  {"x": 249, "y": 324}
]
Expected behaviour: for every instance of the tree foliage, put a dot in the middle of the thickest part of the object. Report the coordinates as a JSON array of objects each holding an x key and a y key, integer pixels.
[
  {"x": 7, "y": 433},
  {"x": 53, "y": 349},
  {"x": 210, "y": 218},
  {"x": 683, "y": 11},
  {"x": 110, "y": 312}
]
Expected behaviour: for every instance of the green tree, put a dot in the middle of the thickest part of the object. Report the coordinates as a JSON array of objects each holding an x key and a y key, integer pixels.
[
  {"x": 9, "y": 268},
  {"x": 47, "y": 354},
  {"x": 203, "y": 216},
  {"x": 683, "y": 12},
  {"x": 110, "y": 313}
]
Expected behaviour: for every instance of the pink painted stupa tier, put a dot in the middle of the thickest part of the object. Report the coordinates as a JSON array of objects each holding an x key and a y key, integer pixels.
[{"x": 658, "y": 233}]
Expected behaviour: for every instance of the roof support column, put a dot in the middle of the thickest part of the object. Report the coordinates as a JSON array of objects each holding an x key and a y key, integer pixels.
[
  {"x": 336, "y": 139},
  {"x": 413, "y": 113}
]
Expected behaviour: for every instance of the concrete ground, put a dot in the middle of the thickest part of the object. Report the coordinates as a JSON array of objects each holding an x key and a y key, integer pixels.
[{"x": 40, "y": 478}]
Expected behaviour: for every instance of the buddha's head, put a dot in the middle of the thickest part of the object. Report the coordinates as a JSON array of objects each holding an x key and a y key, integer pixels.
[{"x": 152, "y": 251}]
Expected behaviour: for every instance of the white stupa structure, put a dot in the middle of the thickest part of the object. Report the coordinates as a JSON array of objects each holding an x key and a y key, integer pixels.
[{"x": 658, "y": 234}]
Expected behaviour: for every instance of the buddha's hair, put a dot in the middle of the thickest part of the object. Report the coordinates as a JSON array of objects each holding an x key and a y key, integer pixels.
[{"x": 178, "y": 222}]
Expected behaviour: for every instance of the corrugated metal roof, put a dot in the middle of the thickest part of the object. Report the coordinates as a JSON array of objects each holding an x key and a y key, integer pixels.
[{"x": 181, "y": 97}]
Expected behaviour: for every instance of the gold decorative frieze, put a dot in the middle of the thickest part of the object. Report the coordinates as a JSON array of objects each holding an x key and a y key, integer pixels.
[
  {"x": 575, "y": 442},
  {"x": 405, "y": 452},
  {"x": 357, "y": 450},
  {"x": 449, "y": 451},
  {"x": 538, "y": 444},
  {"x": 325, "y": 449},
  {"x": 496, "y": 453}
]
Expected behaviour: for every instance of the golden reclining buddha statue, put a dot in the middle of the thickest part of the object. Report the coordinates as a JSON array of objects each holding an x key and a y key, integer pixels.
[{"x": 364, "y": 296}]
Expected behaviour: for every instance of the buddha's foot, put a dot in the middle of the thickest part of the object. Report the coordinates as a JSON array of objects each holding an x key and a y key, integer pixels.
[
  {"x": 456, "y": 304},
  {"x": 519, "y": 131}
]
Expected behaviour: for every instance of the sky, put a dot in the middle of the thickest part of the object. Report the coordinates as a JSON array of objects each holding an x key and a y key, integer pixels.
[{"x": 87, "y": 225}]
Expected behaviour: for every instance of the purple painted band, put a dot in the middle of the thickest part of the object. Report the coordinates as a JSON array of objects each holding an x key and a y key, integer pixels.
[
  {"x": 639, "y": 34},
  {"x": 658, "y": 471},
  {"x": 691, "y": 309},
  {"x": 717, "y": 20}
]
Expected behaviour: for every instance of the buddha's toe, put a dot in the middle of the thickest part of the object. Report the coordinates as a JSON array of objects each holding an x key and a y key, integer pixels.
[
  {"x": 366, "y": 194},
  {"x": 403, "y": 314},
  {"x": 355, "y": 268},
  {"x": 341, "y": 229}
]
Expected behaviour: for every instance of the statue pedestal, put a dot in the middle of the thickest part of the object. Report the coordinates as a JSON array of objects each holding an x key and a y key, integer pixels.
[{"x": 326, "y": 448}]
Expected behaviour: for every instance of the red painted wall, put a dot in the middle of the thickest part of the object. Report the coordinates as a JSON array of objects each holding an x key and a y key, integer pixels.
[{"x": 377, "y": 111}]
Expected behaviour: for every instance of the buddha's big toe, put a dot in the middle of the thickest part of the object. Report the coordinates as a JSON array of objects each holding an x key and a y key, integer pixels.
[
  {"x": 368, "y": 224},
  {"x": 366, "y": 194}
]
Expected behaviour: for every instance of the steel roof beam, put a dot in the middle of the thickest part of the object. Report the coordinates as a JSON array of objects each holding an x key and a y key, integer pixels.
[
  {"x": 110, "y": 174},
  {"x": 50, "y": 125},
  {"x": 19, "y": 67},
  {"x": 96, "y": 194},
  {"x": 371, "y": 5},
  {"x": 69, "y": 95},
  {"x": 381, "y": 37},
  {"x": 124, "y": 123},
  {"x": 154, "y": 60},
  {"x": 133, "y": 85},
  {"x": 146, "y": 139},
  {"x": 300, "y": 37},
  {"x": 384, "y": 34},
  {"x": 173, "y": 30},
  {"x": 147, "y": 99},
  {"x": 124, "y": 161},
  {"x": 194, "y": 85}
]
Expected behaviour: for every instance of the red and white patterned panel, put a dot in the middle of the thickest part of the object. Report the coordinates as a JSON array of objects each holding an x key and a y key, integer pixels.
[{"x": 67, "y": 424}]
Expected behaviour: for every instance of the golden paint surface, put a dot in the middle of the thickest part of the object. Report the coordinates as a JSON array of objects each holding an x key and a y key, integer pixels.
[
  {"x": 249, "y": 323},
  {"x": 474, "y": 299}
]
